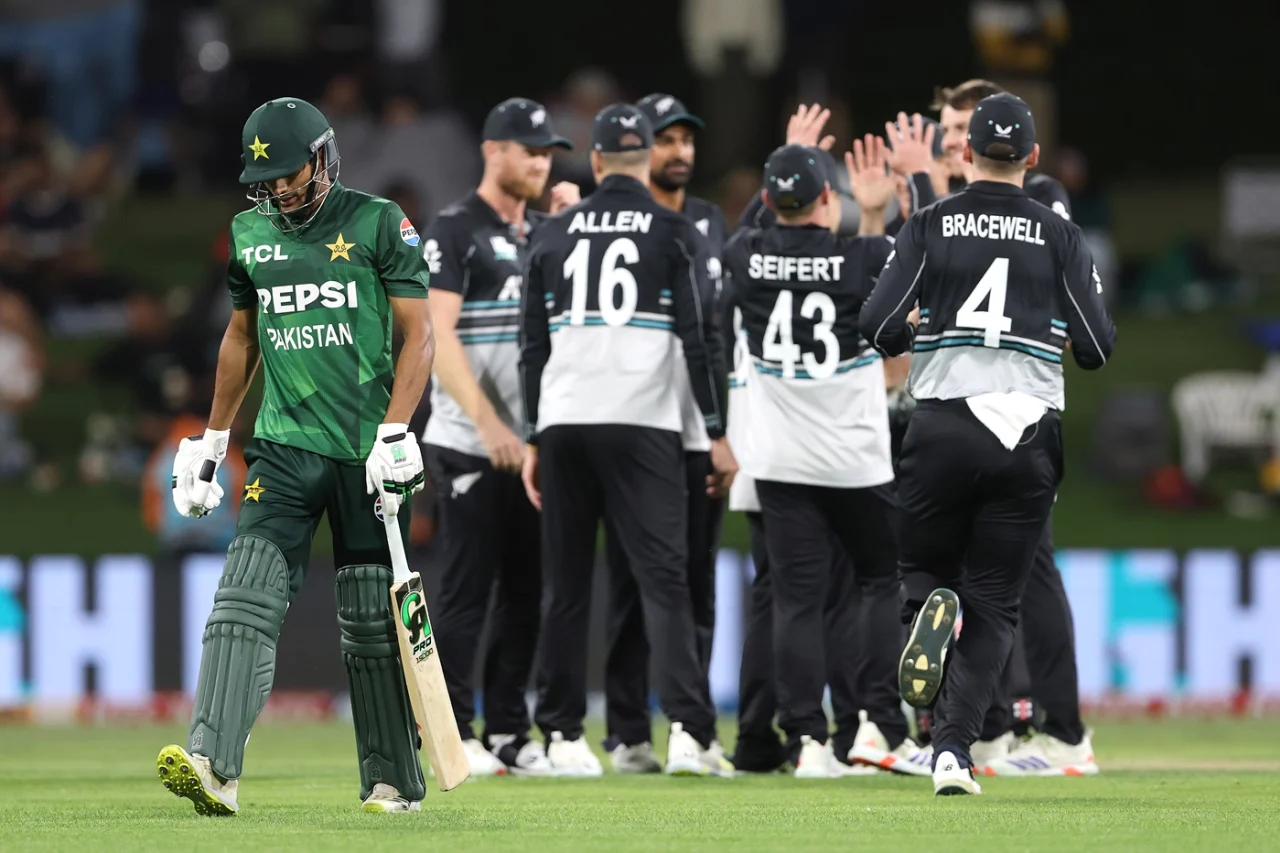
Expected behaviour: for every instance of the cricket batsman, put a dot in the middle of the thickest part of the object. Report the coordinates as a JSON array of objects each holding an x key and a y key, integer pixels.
[{"x": 316, "y": 272}]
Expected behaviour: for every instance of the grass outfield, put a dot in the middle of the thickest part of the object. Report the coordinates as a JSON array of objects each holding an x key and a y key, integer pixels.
[{"x": 1168, "y": 786}]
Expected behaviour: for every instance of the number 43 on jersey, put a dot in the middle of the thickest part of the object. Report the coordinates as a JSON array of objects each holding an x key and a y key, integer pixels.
[{"x": 779, "y": 340}]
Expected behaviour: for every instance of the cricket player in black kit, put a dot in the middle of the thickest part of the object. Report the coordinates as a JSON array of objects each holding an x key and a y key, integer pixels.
[
  {"x": 1043, "y": 663},
  {"x": 818, "y": 449},
  {"x": 613, "y": 289},
  {"x": 1002, "y": 284},
  {"x": 627, "y": 663},
  {"x": 474, "y": 439}
]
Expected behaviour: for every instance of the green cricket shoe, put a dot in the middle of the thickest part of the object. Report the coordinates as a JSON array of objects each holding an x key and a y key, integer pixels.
[
  {"x": 191, "y": 776},
  {"x": 923, "y": 663}
]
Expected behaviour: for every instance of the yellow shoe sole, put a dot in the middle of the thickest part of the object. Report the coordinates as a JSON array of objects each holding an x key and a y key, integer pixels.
[{"x": 178, "y": 774}]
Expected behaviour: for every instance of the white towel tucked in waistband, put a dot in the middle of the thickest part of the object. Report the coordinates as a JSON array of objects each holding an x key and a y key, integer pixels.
[{"x": 1007, "y": 415}]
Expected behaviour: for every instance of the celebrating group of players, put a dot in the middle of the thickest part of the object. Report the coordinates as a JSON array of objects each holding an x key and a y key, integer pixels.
[{"x": 581, "y": 361}]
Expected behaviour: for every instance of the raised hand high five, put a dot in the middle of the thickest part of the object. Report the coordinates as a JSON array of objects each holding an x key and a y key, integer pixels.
[
  {"x": 805, "y": 127},
  {"x": 911, "y": 144},
  {"x": 869, "y": 178}
]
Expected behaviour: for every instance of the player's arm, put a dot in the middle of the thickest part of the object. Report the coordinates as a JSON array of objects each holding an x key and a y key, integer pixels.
[
  {"x": 239, "y": 353},
  {"x": 445, "y": 250},
  {"x": 704, "y": 358},
  {"x": 413, "y": 367},
  {"x": 757, "y": 215},
  {"x": 885, "y": 319},
  {"x": 535, "y": 342},
  {"x": 1090, "y": 331},
  {"x": 405, "y": 277},
  {"x": 690, "y": 287}
]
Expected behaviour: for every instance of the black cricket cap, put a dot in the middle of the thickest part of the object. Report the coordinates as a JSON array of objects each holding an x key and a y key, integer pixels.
[
  {"x": 524, "y": 121},
  {"x": 664, "y": 110},
  {"x": 794, "y": 177},
  {"x": 621, "y": 127},
  {"x": 1003, "y": 119}
]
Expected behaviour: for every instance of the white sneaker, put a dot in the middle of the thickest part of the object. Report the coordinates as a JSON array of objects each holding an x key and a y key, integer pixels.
[
  {"x": 817, "y": 761},
  {"x": 1045, "y": 755},
  {"x": 684, "y": 753},
  {"x": 716, "y": 762},
  {"x": 950, "y": 778},
  {"x": 572, "y": 758},
  {"x": 635, "y": 759},
  {"x": 387, "y": 800},
  {"x": 529, "y": 760},
  {"x": 871, "y": 747},
  {"x": 191, "y": 776},
  {"x": 482, "y": 761},
  {"x": 984, "y": 752}
]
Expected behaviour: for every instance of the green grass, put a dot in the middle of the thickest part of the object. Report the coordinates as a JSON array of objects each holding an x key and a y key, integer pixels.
[{"x": 95, "y": 788}]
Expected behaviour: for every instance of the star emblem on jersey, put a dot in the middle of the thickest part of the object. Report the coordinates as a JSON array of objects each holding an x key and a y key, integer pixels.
[
  {"x": 340, "y": 249},
  {"x": 259, "y": 148},
  {"x": 431, "y": 254},
  {"x": 253, "y": 491}
]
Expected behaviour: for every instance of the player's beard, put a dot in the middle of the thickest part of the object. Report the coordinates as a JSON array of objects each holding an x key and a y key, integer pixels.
[
  {"x": 524, "y": 188},
  {"x": 665, "y": 180}
]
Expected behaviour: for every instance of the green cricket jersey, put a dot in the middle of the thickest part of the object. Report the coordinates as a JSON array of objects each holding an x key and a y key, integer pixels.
[{"x": 324, "y": 317}]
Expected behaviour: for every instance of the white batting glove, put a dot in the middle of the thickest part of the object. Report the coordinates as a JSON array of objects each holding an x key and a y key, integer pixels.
[
  {"x": 195, "y": 473},
  {"x": 394, "y": 467}
]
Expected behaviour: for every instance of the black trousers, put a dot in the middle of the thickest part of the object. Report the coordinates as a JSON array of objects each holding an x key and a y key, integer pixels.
[
  {"x": 758, "y": 742},
  {"x": 804, "y": 527},
  {"x": 1047, "y": 671},
  {"x": 973, "y": 517},
  {"x": 489, "y": 549},
  {"x": 633, "y": 478},
  {"x": 626, "y": 674}
]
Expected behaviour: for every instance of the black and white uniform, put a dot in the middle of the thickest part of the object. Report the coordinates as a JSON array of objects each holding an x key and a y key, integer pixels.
[
  {"x": 1002, "y": 283},
  {"x": 488, "y": 529},
  {"x": 614, "y": 290},
  {"x": 818, "y": 450},
  {"x": 1041, "y": 679},
  {"x": 627, "y": 661}
]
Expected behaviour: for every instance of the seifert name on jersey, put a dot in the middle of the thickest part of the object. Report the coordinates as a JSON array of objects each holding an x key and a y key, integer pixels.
[{"x": 324, "y": 317}]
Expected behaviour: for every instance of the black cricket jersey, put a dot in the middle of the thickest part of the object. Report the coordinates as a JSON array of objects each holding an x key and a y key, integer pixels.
[
  {"x": 1002, "y": 284},
  {"x": 816, "y": 394},
  {"x": 710, "y": 223},
  {"x": 472, "y": 251},
  {"x": 615, "y": 287}
]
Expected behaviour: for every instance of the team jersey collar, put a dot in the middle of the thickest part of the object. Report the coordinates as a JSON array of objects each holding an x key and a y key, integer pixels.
[
  {"x": 624, "y": 184},
  {"x": 483, "y": 209},
  {"x": 995, "y": 188}
]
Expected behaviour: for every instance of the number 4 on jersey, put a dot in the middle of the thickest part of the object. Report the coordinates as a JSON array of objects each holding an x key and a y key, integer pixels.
[{"x": 991, "y": 287}]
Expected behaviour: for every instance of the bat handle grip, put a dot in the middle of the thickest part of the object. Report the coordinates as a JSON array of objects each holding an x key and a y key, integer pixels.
[{"x": 395, "y": 544}]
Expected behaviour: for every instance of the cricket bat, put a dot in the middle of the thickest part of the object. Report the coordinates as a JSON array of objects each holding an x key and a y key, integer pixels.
[{"x": 422, "y": 673}]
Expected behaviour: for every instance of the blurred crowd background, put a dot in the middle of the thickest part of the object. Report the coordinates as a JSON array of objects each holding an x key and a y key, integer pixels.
[{"x": 119, "y": 148}]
